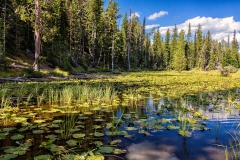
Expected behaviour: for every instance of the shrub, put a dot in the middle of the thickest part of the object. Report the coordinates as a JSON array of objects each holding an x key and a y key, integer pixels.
[{"x": 227, "y": 70}]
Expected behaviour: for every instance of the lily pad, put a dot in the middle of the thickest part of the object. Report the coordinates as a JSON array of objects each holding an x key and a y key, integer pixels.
[
  {"x": 98, "y": 134},
  {"x": 53, "y": 126},
  {"x": 98, "y": 143},
  {"x": 43, "y": 157},
  {"x": 71, "y": 143},
  {"x": 2, "y": 136},
  {"x": 106, "y": 149},
  {"x": 131, "y": 128},
  {"x": 38, "y": 131},
  {"x": 99, "y": 120},
  {"x": 114, "y": 142},
  {"x": 95, "y": 157},
  {"x": 78, "y": 135},
  {"x": 17, "y": 137},
  {"x": 8, "y": 156},
  {"x": 73, "y": 157},
  {"x": 119, "y": 151},
  {"x": 23, "y": 129},
  {"x": 39, "y": 121},
  {"x": 9, "y": 129},
  {"x": 58, "y": 121},
  {"x": 52, "y": 137},
  {"x": 19, "y": 119}
]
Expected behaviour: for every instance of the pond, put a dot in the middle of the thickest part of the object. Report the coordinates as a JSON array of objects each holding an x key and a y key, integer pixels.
[{"x": 201, "y": 127}]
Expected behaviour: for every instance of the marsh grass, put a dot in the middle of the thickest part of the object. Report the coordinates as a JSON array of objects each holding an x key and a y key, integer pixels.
[{"x": 67, "y": 126}]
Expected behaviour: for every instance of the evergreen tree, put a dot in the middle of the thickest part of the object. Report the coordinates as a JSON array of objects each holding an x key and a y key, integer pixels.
[
  {"x": 167, "y": 50},
  {"x": 173, "y": 45},
  {"x": 199, "y": 47},
  {"x": 157, "y": 50},
  {"x": 235, "y": 48},
  {"x": 179, "y": 60}
]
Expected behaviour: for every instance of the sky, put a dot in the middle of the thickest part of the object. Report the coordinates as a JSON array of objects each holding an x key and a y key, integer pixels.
[{"x": 220, "y": 17}]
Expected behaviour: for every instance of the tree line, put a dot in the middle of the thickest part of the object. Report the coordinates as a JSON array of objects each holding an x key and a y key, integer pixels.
[{"x": 84, "y": 34}]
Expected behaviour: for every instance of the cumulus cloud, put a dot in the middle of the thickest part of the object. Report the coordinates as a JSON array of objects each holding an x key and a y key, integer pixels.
[
  {"x": 219, "y": 28},
  {"x": 157, "y": 15},
  {"x": 151, "y": 26}
]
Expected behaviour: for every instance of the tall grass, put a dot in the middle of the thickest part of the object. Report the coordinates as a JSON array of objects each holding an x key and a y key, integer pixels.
[{"x": 67, "y": 126}]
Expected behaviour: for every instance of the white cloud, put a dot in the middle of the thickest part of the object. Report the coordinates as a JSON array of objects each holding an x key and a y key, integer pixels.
[
  {"x": 151, "y": 26},
  {"x": 135, "y": 14},
  {"x": 219, "y": 28},
  {"x": 157, "y": 15}
]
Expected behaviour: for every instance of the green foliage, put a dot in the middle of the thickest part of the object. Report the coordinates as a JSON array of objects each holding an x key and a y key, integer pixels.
[
  {"x": 228, "y": 59},
  {"x": 30, "y": 72},
  {"x": 88, "y": 33}
]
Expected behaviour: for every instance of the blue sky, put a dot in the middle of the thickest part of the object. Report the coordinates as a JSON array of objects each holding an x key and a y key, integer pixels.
[{"x": 220, "y": 17}]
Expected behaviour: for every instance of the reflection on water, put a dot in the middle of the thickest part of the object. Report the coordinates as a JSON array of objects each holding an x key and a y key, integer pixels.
[
  {"x": 204, "y": 144},
  {"x": 147, "y": 151}
]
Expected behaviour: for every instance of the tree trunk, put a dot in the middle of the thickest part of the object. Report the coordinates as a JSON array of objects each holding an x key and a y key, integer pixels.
[
  {"x": 113, "y": 52},
  {"x": 37, "y": 35}
]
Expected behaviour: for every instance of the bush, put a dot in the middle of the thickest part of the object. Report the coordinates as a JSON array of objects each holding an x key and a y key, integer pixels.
[
  {"x": 31, "y": 73},
  {"x": 227, "y": 70}
]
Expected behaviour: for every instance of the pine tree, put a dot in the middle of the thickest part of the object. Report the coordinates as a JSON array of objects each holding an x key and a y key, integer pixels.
[
  {"x": 235, "y": 48},
  {"x": 157, "y": 50},
  {"x": 111, "y": 16},
  {"x": 94, "y": 28},
  {"x": 167, "y": 50},
  {"x": 198, "y": 48},
  {"x": 179, "y": 60},
  {"x": 124, "y": 33},
  {"x": 173, "y": 45}
]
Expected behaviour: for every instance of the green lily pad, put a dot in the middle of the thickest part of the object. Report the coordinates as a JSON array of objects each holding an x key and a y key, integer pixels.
[
  {"x": 131, "y": 128},
  {"x": 9, "y": 129},
  {"x": 43, "y": 157},
  {"x": 38, "y": 131},
  {"x": 57, "y": 149},
  {"x": 78, "y": 135},
  {"x": 120, "y": 133},
  {"x": 119, "y": 151},
  {"x": 98, "y": 143},
  {"x": 8, "y": 156},
  {"x": 52, "y": 137},
  {"x": 23, "y": 129},
  {"x": 99, "y": 120},
  {"x": 114, "y": 142},
  {"x": 98, "y": 134},
  {"x": 2, "y": 136},
  {"x": 15, "y": 150},
  {"x": 106, "y": 149},
  {"x": 82, "y": 117},
  {"x": 17, "y": 137},
  {"x": 71, "y": 143},
  {"x": 58, "y": 121},
  {"x": 53, "y": 126},
  {"x": 73, "y": 157}
]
